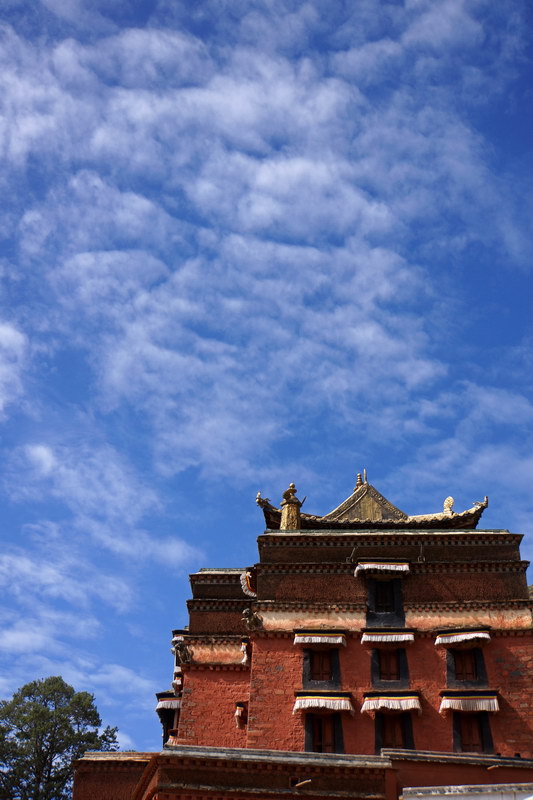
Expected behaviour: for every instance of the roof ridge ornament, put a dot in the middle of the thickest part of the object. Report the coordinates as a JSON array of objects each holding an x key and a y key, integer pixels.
[
  {"x": 362, "y": 480},
  {"x": 367, "y": 509},
  {"x": 290, "y": 510},
  {"x": 448, "y": 506}
]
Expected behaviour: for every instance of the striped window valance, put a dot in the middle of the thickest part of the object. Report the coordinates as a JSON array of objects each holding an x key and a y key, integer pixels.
[
  {"x": 246, "y": 584},
  {"x": 469, "y": 701},
  {"x": 382, "y": 566},
  {"x": 391, "y": 701},
  {"x": 332, "y": 701},
  {"x": 172, "y": 702},
  {"x": 311, "y": 636},
  {"x": 461, "y": 635},
  {"x": 387, "y": 635}
]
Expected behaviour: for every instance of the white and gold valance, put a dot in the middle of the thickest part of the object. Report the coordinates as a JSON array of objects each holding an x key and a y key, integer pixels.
[
  {"x": 172, "y": 703},
  {"x": 385, "y": 637},
  {"x": 382, "y": 566},
  {"x": 323, "y": 702},
  {"x": 320, "y": 637},
  {"x": 453, "y": 637},
  {"x": 246, "y": 584},
  {"x": 469, "y": 702},
  {"x": 391, "y": 702}
]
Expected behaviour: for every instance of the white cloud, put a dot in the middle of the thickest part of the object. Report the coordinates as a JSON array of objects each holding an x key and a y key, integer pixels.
[
  {"x": 13, "y": 357},
  {"x": 106, "y": 500}
]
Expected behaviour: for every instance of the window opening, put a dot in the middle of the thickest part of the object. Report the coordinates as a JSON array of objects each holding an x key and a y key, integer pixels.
[
  {"x": 472, "y": 732},
  {"x": 384, "y": 597},
  {"x": 465, "y": 665},
  {"x": 394, "y": 730},
  {"x": 389, "y": 665},
  {"x": 321, "y": 665},
  {"x": 392, "y": 735},
  {"x": 323, "y": 734}
]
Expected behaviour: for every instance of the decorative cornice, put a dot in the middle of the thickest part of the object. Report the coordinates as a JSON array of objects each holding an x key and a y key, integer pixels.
[
  {"x": 297, "y": 605},
  {"x": 217, "y": 604},
  {"x": 461, "y": 538},
  {"x": 465, "y": 605},
  {"x": 421, "y": 567},
  {"x": 265, "y": 760},
  {"x": 455, "y": 758},
  {"x": 215, "y": 578},
  {"x": 469, "y": 566},
  {"x": 214, "y": 638}
]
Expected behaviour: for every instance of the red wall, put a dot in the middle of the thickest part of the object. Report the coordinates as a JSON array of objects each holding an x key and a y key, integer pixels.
[{"x": 208, "y": 707}]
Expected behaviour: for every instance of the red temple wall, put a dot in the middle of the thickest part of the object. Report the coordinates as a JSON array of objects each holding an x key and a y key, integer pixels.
[
  {"x": 276, "y": 673},
  {"x": 208, "y": 707}
]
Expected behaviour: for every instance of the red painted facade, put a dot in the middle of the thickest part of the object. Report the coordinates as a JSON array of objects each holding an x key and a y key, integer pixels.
[{"x": 275, "y": 659}]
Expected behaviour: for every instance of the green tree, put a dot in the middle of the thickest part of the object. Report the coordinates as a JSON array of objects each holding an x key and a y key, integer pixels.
[{"x": 43, "y": 728}]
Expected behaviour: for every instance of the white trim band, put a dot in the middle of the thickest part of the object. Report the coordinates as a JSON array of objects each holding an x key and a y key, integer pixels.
[
  {"x": 378, "y": 566},
  {"x": 326, "y": 703},
  {"x": 391, "y": 704},
  {"x": 387, "y": 637},
  {"x": 174, "y": 702},
  {"x": 469, "y": 704},
  {"x": 465, "y": 636},
  {"x": 317, "y": 638}
]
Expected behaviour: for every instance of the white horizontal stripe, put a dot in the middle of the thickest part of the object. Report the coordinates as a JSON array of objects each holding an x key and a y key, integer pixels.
[
  {"x": 387, "y": 637},
  {"x": 329, "y": 703},
  {"x": 174, "y": 702},
  {"x": 379, "y": 567},
  {"x": 469, "y": 704},
  {"x": 391, "y": 703},
  {"x": 317, "y": 638},
  {"x": 461, "y": 637}
]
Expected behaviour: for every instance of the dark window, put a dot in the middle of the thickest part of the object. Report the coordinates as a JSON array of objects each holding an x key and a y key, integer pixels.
[
  {"x": 385, "y": 603},
  {"x": 389, "y": 665},
  {"x": 472, "y": 732},
  {"x": 321, "y": 669},
  {"x": 321, "y": 666},
  {"x": 384, "y": 597},
  {"x": 169, "y": 721},
  {"x": 389, "y": 668},
  {"x": 466, "y": 666},
  {"x": 392, "y": 735},
  {"x": 323, "y": 733},
  {"x": 394, "y": 730}
]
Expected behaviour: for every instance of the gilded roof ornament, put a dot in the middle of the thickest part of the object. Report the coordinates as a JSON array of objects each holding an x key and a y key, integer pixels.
[
  {"x": 290, "y": 510},
  {"x": 448, "y": 506},
  {"x": 367, "y": 509}
]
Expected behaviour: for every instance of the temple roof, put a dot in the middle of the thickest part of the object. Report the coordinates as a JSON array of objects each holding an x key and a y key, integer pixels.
[{"x": 367, "y": 509}]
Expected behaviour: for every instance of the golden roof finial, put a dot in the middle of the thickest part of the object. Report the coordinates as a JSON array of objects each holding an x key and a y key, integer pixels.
[
  {"x": 290, "y": 510},
  {"x": 359, "y": 481}
]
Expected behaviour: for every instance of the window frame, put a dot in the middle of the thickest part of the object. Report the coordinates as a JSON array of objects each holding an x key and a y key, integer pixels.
[
  {"x": 487, "y": 744},
  {"x": 479, "y": 661},
  {"x": 307, "y": 681},
  {"x": 338, "y": 737},
  {"x": 375, "y": 669},
  {"x": 384, "y": 619},
  {"x": 406, "y": 721}
]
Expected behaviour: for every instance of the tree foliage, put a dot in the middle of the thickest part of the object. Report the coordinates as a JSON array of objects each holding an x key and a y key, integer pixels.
[{"x": 43, "y": 728}]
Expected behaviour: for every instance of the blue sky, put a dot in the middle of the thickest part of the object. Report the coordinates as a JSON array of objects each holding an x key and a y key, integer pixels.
[{"x": 246, "y": 243}]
